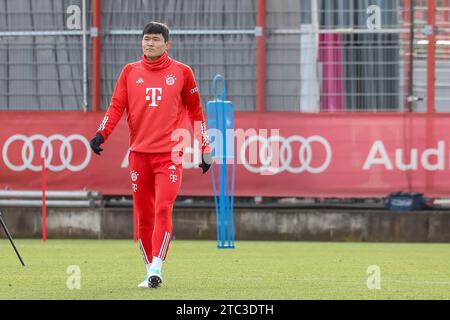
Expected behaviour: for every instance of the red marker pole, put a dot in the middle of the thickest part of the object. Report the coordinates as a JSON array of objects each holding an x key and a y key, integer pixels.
[
  {"x": 44, "y": 206},
  {"x": 261, "y": 57},
  {"x": 96, "y": 54}
]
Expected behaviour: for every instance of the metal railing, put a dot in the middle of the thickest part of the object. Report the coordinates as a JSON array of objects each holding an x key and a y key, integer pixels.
[
  {"x": 354, "y": 56},
  {"x": 38, "y": 73},
  {"x": 208, "y": 52},
  {"x": 32, "y": 198},
  {"x": 321, "y": 55}
]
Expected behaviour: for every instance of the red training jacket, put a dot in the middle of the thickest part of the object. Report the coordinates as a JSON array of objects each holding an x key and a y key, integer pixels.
[{"x": 156, "y": 95}]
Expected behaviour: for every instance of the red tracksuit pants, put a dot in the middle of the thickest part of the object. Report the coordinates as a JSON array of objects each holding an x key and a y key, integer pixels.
[{"x": 155, "y": 181}]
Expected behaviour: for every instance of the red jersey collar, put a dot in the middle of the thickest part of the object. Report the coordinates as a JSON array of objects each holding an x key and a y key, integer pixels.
[{"x": 161, "y": 63}]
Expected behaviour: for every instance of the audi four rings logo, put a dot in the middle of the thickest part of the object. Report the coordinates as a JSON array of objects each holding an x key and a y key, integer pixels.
[
  {"x": 267, "y": 155},
  {"x": 47, "y": 152}
]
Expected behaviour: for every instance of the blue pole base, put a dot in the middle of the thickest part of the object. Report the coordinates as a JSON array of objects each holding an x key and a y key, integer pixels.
[{"x": 225, "y": 246}]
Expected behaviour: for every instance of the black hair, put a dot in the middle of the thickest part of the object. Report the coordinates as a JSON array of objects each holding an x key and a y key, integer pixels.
[{"x": 154, "y": 27}]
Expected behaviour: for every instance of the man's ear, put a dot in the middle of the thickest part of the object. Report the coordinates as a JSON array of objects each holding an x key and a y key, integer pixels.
[{"x": 167, "y": 45}]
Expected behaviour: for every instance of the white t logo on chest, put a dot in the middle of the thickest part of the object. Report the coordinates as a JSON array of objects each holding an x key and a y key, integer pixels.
[{"x": 153, "y": 95}]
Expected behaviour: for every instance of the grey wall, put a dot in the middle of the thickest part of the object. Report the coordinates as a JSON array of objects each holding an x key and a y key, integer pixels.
[{"x": 250, "y": 224}]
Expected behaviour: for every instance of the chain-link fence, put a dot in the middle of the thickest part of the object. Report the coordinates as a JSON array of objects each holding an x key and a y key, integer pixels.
[
  {"x": 362, "y": 55},
  {"x": 42, "y": 58},
  {"x": 334, "y": 56},
  {"x": 210, "y": 36},
  {"x": 321, "y": 55},
  {"x": 442, "y": 78}
]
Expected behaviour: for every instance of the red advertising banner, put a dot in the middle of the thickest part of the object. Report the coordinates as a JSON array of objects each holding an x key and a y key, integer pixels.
[{"x": 276, "y": 154}]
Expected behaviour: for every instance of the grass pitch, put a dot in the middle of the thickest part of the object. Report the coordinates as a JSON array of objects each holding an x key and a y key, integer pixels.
[{"x": 111, "y": 269}]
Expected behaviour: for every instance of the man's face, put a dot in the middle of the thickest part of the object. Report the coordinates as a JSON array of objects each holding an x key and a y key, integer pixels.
[{"x": 154, "y": 46}]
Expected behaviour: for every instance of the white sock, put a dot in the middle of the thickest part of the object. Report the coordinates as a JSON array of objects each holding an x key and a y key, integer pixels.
[
  {"x": 156, "y": 264},
  {"x": 148, "y": 267}
]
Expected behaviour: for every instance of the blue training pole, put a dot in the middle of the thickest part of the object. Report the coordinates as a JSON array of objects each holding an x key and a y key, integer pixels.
[{"x": 225, "y": 193}]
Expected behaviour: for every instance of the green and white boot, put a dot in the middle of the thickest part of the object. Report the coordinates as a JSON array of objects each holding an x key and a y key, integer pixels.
[
  {"x": 144, "y": 284},
  {"x": 154, "y": 278},
  {"x": 151, "y": 280}
]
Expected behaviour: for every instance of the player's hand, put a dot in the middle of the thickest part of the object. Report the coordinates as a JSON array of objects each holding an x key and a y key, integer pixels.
[
  {"x": 96, "y": 142},
  {"x": 206, "y": 162}
]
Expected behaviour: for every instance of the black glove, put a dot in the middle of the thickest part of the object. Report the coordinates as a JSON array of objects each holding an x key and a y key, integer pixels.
[
  {"x": 96, "y": 142},
  {"x": 206, "y": 162}
]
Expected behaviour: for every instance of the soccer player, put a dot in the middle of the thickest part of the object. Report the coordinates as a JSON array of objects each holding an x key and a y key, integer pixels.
[{"x": 155, "y": 92}]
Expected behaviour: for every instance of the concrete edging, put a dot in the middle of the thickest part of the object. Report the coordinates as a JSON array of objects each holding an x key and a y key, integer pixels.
[{"x": 250, "y": 224}]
